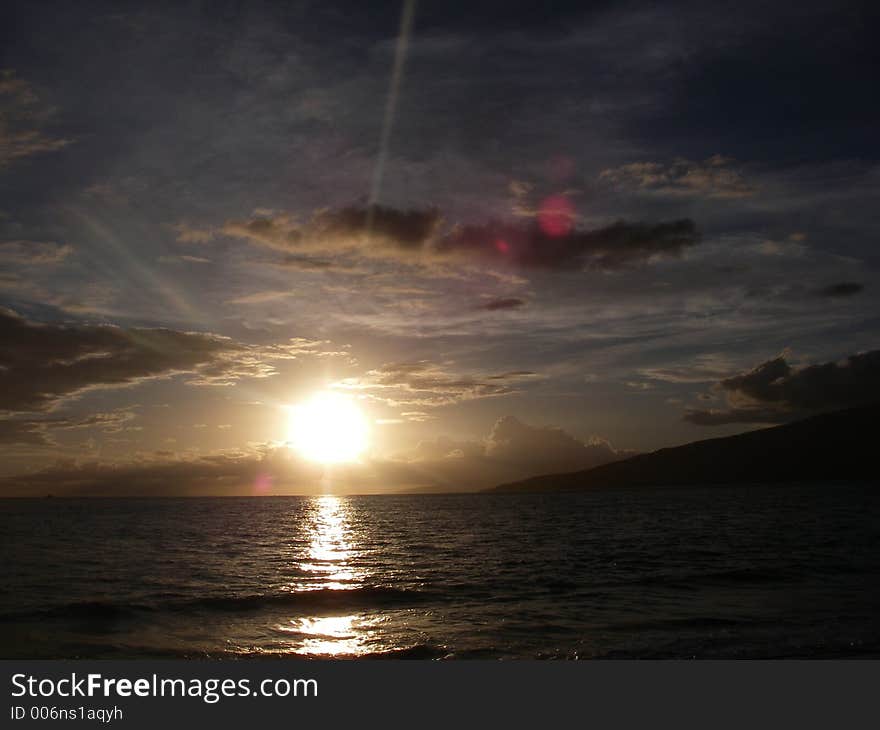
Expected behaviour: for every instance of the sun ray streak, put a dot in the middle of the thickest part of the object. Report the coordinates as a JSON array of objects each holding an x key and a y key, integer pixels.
[{"x": 406, "y": 22}]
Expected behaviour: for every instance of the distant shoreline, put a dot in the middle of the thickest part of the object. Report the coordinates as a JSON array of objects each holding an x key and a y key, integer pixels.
[{"x": 490, "y": 492}]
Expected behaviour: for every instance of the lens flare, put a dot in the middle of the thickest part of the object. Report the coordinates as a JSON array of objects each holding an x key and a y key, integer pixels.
[
  {"x": 556, "y": 216},
  {"x": 502, "y": 246}
]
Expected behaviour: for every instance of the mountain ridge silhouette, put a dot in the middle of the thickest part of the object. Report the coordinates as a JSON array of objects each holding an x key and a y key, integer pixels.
[{"x": 832, "y": 446}]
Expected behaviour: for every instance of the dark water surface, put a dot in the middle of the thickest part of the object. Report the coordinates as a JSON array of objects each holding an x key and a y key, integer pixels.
[{"x": 750, "y": 571}]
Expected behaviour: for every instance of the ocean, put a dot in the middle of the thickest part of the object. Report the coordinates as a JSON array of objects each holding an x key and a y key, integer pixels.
[{"x": 753, "y": 571}]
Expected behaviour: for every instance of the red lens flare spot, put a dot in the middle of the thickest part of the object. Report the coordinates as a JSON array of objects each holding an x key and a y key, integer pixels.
[
  {"x": 263, "y": 483},
  {"x": 556, "y": 216},
  {"x": 502, "y": 246}
]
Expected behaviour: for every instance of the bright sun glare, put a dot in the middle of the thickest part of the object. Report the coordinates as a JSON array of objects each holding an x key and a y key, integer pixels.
[{"x": 329, "y": 428}]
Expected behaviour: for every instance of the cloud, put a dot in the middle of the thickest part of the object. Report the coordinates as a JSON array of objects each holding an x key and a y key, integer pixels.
[
  {"x": 424, "y": 384},
  {"x": 304, "y": 263},
  {"x": 529, "y": 246},
  {"x": 542, "y": 449},
  {"x": 752, "y": 415},
  {"x": 417, "y": 416},
  {"x": 187, "y": 233},
  {"x": 403, "y": 230},
  {"x": 371, "y": 232},
  {"x": 418, "y": 237},
  {"x": 278, "y": 231},
  {"x": 159, "y": 473},
  {"x": 775, "y": 392},
  {"x": 638, "y": 385},
  {"x": 700, "y": 369},
  {"x": 843, "y": 289},
  {"x": 494, "y": 305},
  {"x": 184, "y": 259},
  {"x": 21, "y": 117},
  {"x": 711, "y": 178},
  {"x": 43, "y": 363},
  {"x": 33, "y": 253},
  {"x": 792, "y": 248},
  {"x": 262, "y": 297},
  {"x": 16, "y": 431},
  {"x": 38, "y": 432},
  {"x": 512, "y": 450}
]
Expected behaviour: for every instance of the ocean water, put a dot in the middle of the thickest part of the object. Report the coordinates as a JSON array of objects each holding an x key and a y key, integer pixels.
[{"x": 724, "y": 572}]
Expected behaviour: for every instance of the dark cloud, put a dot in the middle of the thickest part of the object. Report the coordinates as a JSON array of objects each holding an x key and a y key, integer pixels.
[
  {"x": 615, "y": 246},
  {"x": 417, "y": 236},
  {"x": 775, "y": 392},
  {"x": 493, "y": 305},
  {"x": 332, "y": 231},
  {"x": 38, "y": 432},
  {"x": 843, "y": 289},
  {"x": 512, "y": 375},
  {"x": 41, "y": 364},
  {"x": 408, "y": 230}
]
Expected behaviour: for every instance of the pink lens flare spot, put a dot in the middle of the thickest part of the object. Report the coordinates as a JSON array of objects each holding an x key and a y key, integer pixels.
[
  {"x": 263, "y": 484},
  {"x": 556, "y": 216},
  {"x": 502, "y": 246}
]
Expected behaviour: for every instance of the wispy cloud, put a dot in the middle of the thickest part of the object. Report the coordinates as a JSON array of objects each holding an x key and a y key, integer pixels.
[
  {"x": 425, "y": 384},
  {"x": 22, "y": 117},
  {"x": 501, "y": 303},
  {"x": 841, "y": 289},
  {"x": 45, "y": 363},
  {"x": 33, "y": 253},
  {"x": 418, "y": 237},
  {"x": 38, "y": 432},
  {"x": 715, "y": 177}
]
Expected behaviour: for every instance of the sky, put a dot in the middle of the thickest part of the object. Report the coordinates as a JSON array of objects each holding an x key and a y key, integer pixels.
[{"x": 523, "y": 238}]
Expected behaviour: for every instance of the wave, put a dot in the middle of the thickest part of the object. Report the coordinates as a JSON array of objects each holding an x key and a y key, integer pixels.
[
  {"x": 414, "y": 651},
  {"x": 353, "y": 599},
  {"x": 417, "y": 651},
  {"x": 322, "y": 598}
]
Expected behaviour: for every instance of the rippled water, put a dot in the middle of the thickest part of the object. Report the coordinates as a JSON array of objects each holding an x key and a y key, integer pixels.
[{"x": 757, "y": 571}]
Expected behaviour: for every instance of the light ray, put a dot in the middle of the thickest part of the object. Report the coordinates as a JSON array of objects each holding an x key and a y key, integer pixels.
[{"x": 406, "y": 22}]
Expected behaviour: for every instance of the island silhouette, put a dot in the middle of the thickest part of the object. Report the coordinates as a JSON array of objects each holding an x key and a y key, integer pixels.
[{"x": 829, "y": 447}]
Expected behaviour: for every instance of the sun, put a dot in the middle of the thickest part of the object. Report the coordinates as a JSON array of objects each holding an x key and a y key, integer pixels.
[{"x": 329, "y": 428}]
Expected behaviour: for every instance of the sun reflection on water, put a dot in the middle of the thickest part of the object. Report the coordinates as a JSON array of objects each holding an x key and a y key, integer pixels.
[
  {"x": 331, "y": 635},
  {"x": 328, "y": 565},
  {"x": 328, "y": 561}
]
